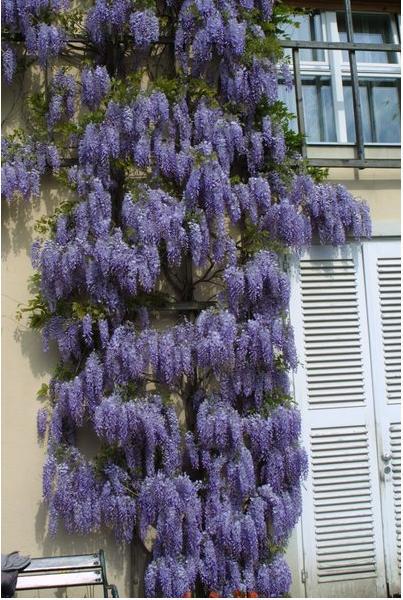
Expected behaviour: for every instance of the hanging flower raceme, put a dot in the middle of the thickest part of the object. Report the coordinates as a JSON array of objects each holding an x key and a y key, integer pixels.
[
  {"x": 155, "y": 217},
  {"x": 259, "y": 287},
  {"x": 144, "y": 27},
  {"x": 19, "y": 14},
  {"x": 147, "y": 432},
  {"x": 168, "y": 353},
  {"x": 106, "y": 18},
  {"x": 80, "y": 501},
  {"x": 42, "y": 422},
  {"x": 104, "y": 269},
  {"x": 9, "y": 64},
  {"x": 173, "y": 508},
  {"x": 253, "y": 466},
  {"x": 335, "y": 213},
  {"x": 225, "y": 136},
  {"x": 45, "y": 41},
  {"x": 95, "y": 85},
  {"x": 23, "y": 18},
  {"x": 63, "y": 92},
  {"x": 219, "y": 426},
  {"x": 23, "y": 166}
]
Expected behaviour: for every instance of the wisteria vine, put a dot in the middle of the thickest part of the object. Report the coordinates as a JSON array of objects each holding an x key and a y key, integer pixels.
[{"x": 162, "y": 277}]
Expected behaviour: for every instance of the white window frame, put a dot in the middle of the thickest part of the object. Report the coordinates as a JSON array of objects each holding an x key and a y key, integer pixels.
[{"x": 336, "y": 70}]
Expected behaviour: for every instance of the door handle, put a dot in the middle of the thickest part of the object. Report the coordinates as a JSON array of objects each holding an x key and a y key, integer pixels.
[
  {"x": 386, "y": 469},
  {"x": 386, "y": 473}
]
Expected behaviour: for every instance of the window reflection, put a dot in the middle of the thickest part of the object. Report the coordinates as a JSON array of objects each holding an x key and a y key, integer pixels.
[
  {"x": 318, "y": 108},
  {"x": 288, "y": 97},
  {"x": 372, "y": 29},
  {"x": 307, "y": 28},
  {"x": 380, "y": 108}
]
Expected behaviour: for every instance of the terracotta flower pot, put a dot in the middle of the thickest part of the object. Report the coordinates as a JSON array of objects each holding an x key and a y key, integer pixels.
[{"x": 252, "y": 594}]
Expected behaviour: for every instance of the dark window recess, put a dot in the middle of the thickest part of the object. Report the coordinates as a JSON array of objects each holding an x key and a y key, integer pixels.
[{"x": 370, "y": 29}]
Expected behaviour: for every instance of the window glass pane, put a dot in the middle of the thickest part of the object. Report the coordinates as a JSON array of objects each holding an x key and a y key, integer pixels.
[
  {"x": 380, "y": 102},
  {"x": 318, "y": 110},
  {"x": 307, "y": 28},
  {"x": 288, "y": 97},
  {"x": 386, "y": 107},
  {"x": 372, "y": 29},
  {"x": 366, "y": 120}
]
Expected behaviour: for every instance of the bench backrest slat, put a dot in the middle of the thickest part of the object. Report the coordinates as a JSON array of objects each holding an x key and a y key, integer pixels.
[
  {"x": 50, "y": 580},
  {"x": 59, "y": 563}
]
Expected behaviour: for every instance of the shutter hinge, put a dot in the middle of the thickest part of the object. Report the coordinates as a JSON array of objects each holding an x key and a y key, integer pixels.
[{"x": 304, "y": 575}]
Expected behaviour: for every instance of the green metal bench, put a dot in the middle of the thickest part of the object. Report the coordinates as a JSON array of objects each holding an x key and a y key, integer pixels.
[{"x": 66, "y": 571}]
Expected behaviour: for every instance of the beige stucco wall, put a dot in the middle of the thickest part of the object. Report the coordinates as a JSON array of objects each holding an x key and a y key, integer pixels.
[
  {"x": 25, "y": 368},
  {"x": 380, "y": 188}
]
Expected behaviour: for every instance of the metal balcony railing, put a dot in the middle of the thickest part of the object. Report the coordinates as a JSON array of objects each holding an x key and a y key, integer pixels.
[{"x": 360, "y": 161}]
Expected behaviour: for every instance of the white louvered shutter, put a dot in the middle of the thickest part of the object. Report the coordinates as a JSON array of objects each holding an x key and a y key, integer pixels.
[
  {"x": 382, "y": 271},
  {"x": 341, "y": 521}
]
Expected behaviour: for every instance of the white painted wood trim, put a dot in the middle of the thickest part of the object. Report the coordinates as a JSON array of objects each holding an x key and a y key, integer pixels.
[
  {"x": 386, "y": 413},
  {"x": 324, "y": 417}
]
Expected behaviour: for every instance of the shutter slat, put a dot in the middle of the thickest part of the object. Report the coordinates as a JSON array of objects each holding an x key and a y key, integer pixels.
[
  {"x": 323, "y": 367},
  {"x": 330, "y": 375},
  {"x": 357, "y": 551},
  {"x": 357, "y": 529},
  {"x": 353, "y": 575},
  {"x": 348, "y": 485},
  {"x": 328, "y": 451}
]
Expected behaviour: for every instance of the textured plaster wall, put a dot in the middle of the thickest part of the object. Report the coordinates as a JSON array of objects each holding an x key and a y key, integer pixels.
[
  {"x": 25, "y": 368},
  {"x": 381, "y": 190}
]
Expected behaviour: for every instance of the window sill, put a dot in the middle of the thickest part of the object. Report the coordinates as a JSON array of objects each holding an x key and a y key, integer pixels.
[{"x": 347, "y": 151}]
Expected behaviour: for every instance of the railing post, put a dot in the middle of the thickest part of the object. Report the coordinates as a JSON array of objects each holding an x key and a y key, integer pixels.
[
  {"x": 359, "y": 133},
  {"x": 299, "y": 101}
]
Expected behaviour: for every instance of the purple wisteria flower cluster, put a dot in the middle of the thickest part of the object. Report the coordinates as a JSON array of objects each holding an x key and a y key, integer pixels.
[
  {"x": 8, "y": 63},
  {"x": 24, "y": 17},
  {"x": 23, "y": 165},
  {"x": 62, "y": 98},
  {"x": 95, "y": 85},
  {"x": 187, "y": 202},
  {"x": 112, "y": 17}
]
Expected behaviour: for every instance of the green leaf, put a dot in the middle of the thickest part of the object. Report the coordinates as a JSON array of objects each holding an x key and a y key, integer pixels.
[{"x": 43, "y": 391}]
